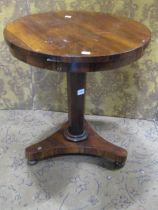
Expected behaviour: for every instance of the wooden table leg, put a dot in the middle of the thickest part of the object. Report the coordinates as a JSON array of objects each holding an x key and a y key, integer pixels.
[{"x": 76, "y": 136}]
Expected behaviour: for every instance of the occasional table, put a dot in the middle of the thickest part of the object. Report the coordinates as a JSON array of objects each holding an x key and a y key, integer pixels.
[{"x": 76, "y": 43}]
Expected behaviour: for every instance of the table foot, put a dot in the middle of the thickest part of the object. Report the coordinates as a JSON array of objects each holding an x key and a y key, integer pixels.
[
  {"x": 57, "y": 144},
  {"x": 32, "y": 162}
]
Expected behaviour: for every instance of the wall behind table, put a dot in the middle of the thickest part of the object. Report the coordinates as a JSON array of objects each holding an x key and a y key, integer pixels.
[{"x": 131, "y": 92}]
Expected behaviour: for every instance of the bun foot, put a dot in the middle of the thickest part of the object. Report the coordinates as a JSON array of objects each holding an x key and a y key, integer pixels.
[
  {"x": 32, "y": 162},
  {"x": 118, "y": 165}
]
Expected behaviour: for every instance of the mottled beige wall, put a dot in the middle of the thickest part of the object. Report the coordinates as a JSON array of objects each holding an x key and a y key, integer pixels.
[{"x": 130, "y": 92}]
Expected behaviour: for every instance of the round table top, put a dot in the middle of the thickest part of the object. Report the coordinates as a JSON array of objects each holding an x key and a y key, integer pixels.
[{"x": 76, "y": 37}]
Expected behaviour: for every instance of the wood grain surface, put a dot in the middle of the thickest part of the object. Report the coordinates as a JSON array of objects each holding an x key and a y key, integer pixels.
[
  {"x": 76, "y": 42},
  {"x": 57, "y": 144},
  {"x": 96, "y": 40}
]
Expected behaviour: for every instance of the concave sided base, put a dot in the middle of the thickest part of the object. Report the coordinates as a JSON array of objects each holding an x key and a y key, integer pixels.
[
  {"x": 57, "y": 144},
  {"x": 76, "y": 136}
]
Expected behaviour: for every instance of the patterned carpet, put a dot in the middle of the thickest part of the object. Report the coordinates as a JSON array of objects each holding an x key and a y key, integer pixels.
[{"x": 77, "y": 182}]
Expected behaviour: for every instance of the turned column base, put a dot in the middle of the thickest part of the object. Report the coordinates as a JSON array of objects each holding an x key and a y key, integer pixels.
[
  {"x": 75, "y": 138},
  {"x": 57, "y": 144}
]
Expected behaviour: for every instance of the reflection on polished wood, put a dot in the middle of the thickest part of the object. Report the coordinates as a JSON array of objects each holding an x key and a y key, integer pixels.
[
  {"x": 76, "y": 43},
  {"x": 54, "y": 39}
]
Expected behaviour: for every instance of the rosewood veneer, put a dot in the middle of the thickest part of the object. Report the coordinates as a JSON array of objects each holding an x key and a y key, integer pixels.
[{"x": 76, "y": 43}]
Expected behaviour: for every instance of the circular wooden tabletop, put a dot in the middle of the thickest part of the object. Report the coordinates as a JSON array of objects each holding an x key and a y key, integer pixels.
[{"x": 76, "y": 37}]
